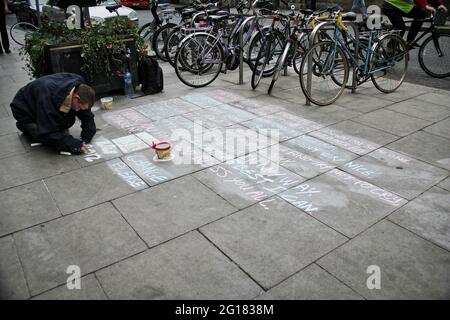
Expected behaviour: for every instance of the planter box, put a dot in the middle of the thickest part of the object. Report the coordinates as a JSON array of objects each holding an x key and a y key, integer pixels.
[{"x": 67, "y": 58}]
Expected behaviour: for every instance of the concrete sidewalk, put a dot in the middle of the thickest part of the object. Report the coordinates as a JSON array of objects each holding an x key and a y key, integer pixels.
[{"x": 360, "y": 185}]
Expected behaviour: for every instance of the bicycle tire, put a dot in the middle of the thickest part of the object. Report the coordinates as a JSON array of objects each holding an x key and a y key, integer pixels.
[
  {"x": 390, "y": 50},
  {"x": 183, "y": 67},
  {"x": 428, "y": 49},
  {"x": 160, "y": 37},
  {"x": 264, "y": 55},
  {"x": 19, "y": 31},
  {"x": 146, "y": 32},
  {"x": 320, "y": 96},
  {"x": 173, "y": 40},
  {"x": 279, "y": 66},
  {"x": 253, "y": 49}
]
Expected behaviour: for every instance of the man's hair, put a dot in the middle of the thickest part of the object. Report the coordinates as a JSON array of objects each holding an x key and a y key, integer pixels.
[{"x": 86, "y": 93}]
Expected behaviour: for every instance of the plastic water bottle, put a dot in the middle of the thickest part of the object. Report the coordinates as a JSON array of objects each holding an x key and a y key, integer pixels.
[{"x": 129, "y": 90}]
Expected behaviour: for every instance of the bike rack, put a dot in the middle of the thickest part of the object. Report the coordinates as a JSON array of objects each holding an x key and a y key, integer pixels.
[
  {"x": 311, "y": 41},
  {"x": 241, "y": 51}
]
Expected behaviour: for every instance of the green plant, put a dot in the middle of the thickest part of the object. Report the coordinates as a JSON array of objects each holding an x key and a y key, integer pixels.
[{"x": 102, "y": 45}]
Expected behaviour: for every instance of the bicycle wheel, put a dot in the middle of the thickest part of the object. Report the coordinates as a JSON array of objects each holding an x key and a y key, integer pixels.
[
  {"x": 434, "y": 55},
  {"x": 325, "y": 64},
  {"x": 300, "y": 50},
  {"x": 146, "y": 32},
  {"x": 173, "y": 40},
  {"x": 255, "y": 47},
  {"x": 198, "y": 61},
  {"x": 388, "y": 63},
  {"x": 20, "y": 30},
  {"x": 159, "y": 40},
  {"x": 265, "y": 60},
  {"x": 279, "y": 66}
]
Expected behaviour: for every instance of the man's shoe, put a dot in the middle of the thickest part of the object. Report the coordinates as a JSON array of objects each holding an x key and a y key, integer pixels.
[{"x": 8, "y": 51}]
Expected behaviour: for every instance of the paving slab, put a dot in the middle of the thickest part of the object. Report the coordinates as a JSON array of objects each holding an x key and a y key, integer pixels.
[
  {"x": 186, "y": 159},
  {"x": 445, "y": 184},
  {"x": 7, "y": 126},
  {"x": 275, "y": 240},
  {"x": 171, "y": 209},
  {"x": 308, "y": 156},
  {"x": 427, "y": 216},
  {"x": 166, "y": 108},
  {"x": 25, "y": 206},
  {"x": 32, "y": 166},
  {"x": 246, "y": 180},
  {"x": 93, "y": 185},
  {"x": 392, "y": 122},
  {"x": 10, "y": 145},
  {"x": 410, "y": 267},
  {"x": 404, "y": 92},
  {"x": 354, "y": 137},
  {"x": 421, "y": 109},
  {"x": 5, "y": 111},
  {"x": 202, "y": 100},
  {"x": 442, "y": 128},
  {"x": 188, "y": 267},
  {"x": 91, "y": 239},
  {"x": 395, "y": 172},
  {"x": 312, "y": 283},
  {"x": 220, "y": 116},
  {"x": 426, "y": 147},
  {"x": 232, "y": 93},
  {"x": 13, "y": 285},
  {"x": 435, "y": 97},
  {"x": 90, "y": 290},
  {"x": 343, "y": 202},
  {"x": 130, "y": 143},
  {"x": 234, "y": 141},
  {"x": 261, "y": 105},
  {"x": 289, "y": 125},
  {"x": 128, "y": 120},
  {"x": 361, "y": 102},
  {"x": 103, "y": 149},
  {"x": 323, "y": 116}
]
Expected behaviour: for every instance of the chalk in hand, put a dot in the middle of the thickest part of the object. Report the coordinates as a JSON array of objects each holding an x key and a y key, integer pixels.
[{"x": 36, "y": 144}]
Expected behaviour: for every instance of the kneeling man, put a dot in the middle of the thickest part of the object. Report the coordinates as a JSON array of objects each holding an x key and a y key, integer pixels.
[{"x": 46, "y": 108}]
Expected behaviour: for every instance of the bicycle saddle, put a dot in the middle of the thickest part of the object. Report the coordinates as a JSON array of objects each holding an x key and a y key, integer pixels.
[
  {"x": 188, "y": 12},
  {"x": 213, "y": 10},
  {"x": 218, "y": 18},
  {"x": 113, "y": 8},
  {"x": 349, "y": 16}
]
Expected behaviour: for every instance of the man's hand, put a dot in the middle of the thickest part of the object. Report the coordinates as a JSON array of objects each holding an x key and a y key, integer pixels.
[
  {"x": 430, "y": 8},
  {"x": 443, "y": 8},
  {"x": 85, "y": 149}
]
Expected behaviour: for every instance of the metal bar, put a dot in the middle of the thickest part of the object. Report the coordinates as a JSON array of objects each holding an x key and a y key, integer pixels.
[{"x": 241, "y": 51}]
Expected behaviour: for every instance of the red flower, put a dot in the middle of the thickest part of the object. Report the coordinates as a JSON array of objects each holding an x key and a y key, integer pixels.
[{"x": 109, "y": 46}]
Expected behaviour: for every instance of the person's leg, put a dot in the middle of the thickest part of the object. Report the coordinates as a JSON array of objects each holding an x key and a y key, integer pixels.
[
  {"x": 4, "y": 32},
  {"x": 395, "y": 16},
  {"x": 415, "y": 13},
  {"x": 354, "y": 5},
  {"x": 29, "y": 129},
  {"x": 363, "y": 8}
]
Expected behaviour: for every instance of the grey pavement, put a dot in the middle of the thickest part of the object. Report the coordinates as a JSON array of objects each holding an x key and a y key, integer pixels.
[{"x": 313, "y": 201}]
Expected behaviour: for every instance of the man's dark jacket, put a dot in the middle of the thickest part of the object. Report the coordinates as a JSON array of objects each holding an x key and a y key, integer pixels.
[{"x": 40, "y": 101}]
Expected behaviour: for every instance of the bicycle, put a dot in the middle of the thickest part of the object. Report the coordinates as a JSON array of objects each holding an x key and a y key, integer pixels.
[
  {"x": 148, "y": 31},
  {"x": 295, "y": 45},
  {"x": 202, "y": 55},
  {"x": 324, "y": 71},
  {"x": 27, "y": 22},
  {"x": 434, "y": 51}
]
